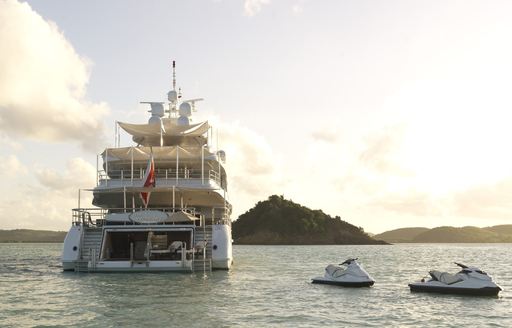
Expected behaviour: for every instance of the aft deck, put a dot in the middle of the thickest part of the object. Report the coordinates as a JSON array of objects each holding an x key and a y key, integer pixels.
[{"x": 105, "y": 244}]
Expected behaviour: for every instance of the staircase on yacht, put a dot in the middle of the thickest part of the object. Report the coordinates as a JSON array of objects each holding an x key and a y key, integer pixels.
[{"x": 159, "y": 205}]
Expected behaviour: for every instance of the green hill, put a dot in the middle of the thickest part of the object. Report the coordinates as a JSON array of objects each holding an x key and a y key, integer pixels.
[
  {"x": 31, "y": 236},
  {"x": 403, "y": 235},
  {"x": 495, "y": 234},
  {"x": 278, "y": 221},
  {"x": 505, "y": 229}
]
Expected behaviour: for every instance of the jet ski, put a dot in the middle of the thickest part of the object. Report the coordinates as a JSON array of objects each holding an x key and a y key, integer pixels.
[
  {"x": 350, "y": 275},
  {"x": 468, "y": 281}
]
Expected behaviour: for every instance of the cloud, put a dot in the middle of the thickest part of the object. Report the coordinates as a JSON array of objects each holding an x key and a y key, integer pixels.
[
  {"x": 325, "y": 136},
  {"x": 11, "y": 166},
  {"x": 253, "y": 7},
  {"x": 381, "y": 149},
  {"x": 78, "y": 174},
  {"x": 297, "y": 9},
  {"x": 413, "y": 202},
  {"x": 9, "y": 142},
  {"x": 43, "y": 199},
  {"x": 43, "y": 82},
  {"x": 489, "y": 201},
  {"x": 254, "y": 170}
]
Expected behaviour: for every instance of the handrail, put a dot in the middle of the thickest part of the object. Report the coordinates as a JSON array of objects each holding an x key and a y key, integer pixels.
[
  {"x": 95, "y": 216},
  {"x": 160, "y": 174},
  {"x": 90, "y": 216}
]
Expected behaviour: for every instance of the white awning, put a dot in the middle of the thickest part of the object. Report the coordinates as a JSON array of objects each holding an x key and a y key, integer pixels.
[
  {"x": 159, "y": 153},
  {"x": 169, "y": 129}
]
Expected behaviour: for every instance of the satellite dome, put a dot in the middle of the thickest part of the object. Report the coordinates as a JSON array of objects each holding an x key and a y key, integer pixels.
[
  {"x": 155, "y": 120},
  {"x": 157, "y": 109},
  {"x": 172, "y": 96},
  {"x": 185, "y": 109},
  {"x": 183, "y": 120}
]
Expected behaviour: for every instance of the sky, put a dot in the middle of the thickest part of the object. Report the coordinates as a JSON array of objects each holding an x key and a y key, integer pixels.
[{"x": 387, "y": 113}]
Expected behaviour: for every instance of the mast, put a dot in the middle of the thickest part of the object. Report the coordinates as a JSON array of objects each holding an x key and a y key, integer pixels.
[{"x": 172, "y": 95}]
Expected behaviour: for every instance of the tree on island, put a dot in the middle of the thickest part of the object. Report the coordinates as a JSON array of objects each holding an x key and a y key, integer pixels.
[{"x": 278, "y": 221}]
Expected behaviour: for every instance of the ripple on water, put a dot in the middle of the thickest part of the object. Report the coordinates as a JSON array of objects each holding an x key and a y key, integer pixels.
[{"x": 269, "y": 286}]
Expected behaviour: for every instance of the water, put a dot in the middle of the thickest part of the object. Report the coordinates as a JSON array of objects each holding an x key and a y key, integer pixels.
[{"x": 269, "y": 286}]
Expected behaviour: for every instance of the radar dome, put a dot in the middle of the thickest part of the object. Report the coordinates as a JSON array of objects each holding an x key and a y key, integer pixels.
[
  {"x": 157, "y": 109},
  {"x": 185, "y": 109},
  {"x": 172, "y": 96},
  {"x": 183, "y": 120},
  {"x": 155, "y": 120}
]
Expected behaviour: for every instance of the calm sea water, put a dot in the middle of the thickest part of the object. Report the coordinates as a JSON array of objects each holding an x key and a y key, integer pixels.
[{"x": 269, "y": 286}]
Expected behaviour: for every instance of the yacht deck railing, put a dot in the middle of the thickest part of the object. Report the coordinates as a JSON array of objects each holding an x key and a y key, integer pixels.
[
  {"x": 96, "y": 217},
  {"x": 160, "y": 174}
]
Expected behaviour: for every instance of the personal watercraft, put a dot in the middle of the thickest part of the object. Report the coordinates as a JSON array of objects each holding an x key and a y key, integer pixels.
[
  {"x": 468, "y": 281},
  {"x": 351, "y": 275}
]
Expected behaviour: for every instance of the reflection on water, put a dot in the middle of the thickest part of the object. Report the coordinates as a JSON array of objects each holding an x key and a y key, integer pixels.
[{"x": 268, "y": 286}]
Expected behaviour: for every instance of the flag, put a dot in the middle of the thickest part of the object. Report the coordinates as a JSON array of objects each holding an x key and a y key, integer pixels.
[{"x": 148, "y": 180}]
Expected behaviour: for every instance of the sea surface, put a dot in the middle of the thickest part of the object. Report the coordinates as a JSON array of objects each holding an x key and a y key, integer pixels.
[{"x": 269, "y": 286}]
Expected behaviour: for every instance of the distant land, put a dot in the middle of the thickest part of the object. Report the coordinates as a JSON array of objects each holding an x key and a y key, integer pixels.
[
  {"x": 278, "y": 221},
  {"x": 31, "y": 236},
  {"x": 495, "y": 234}
]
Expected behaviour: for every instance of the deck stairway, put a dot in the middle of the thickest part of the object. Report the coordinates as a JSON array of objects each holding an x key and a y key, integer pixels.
[
  {"x": 91, "y": 243},
  {"x": 203, "y": 263}
]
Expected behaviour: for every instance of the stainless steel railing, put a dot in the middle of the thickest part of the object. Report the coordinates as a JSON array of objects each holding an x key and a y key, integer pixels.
[
  {"x": 160, "y": 174},
  {"x": 96, "y": 217}
]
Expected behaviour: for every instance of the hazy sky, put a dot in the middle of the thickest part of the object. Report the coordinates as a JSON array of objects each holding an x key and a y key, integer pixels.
[{"x": 387, "y": 113}]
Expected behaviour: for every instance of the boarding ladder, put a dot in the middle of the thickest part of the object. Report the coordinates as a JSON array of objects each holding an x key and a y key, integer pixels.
[
  {"x": 90, "y": 247},
  {"x": 203, "y": 262}
]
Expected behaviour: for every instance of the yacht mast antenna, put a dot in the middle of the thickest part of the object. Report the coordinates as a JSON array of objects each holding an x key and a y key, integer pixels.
[
  {"x": 172, "y": 95},
  {"x": 174, "y": 75}
]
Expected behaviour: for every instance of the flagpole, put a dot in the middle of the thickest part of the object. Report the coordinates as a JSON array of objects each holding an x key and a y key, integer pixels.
[
  {"x": 202, "y": 165},
  {"x": 132, "y": 167},
  {"x": 106, "y": 167},
  {"x": 177, "y": 162}
]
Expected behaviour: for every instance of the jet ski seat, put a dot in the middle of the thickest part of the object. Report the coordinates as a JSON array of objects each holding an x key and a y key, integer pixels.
[
  {"x": 445, "y": 277},
  {"x": 335, "y": 271}
]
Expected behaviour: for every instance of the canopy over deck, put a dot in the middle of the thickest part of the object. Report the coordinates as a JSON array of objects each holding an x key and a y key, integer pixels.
[
  {"x": 170, "y": 128},
  {"x": 159, "y": 153}
]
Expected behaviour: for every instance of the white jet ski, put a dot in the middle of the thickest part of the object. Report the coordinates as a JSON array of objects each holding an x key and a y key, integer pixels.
[
  {"x": 469, "y": 281},
  {"x": 352, "y": 275}
]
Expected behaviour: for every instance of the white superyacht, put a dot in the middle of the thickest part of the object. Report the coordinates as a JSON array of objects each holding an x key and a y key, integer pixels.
[{"x": 159, "y": 205}]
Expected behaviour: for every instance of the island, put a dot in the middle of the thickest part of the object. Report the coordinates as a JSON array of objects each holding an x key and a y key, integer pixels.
[
  {"x": 278, "y": 221},
  {"x": 31, "y": 236},
  {"x": 446, "y": 234}
]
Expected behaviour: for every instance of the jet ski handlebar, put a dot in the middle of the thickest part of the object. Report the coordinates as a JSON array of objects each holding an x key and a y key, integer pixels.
[
  {"x": 348, "y": 261},
  {"x": 461, "y": 265}
]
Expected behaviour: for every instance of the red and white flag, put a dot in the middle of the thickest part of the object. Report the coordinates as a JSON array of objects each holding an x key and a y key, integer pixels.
[{"x": 149, "y": 181}]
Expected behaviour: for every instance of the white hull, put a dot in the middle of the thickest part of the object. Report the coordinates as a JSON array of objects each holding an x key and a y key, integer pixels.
[{"x": 81, "y": 252}]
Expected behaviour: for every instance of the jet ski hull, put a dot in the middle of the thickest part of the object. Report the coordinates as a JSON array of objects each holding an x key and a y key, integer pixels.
[
  {"x": 483, "y": 291},
  {"x": 343, "y": 283}
]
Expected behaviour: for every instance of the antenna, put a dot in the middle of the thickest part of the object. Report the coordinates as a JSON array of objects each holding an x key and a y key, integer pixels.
[
  {"x": 174, "y": 75},
  {"x": 172, "y": 95}
]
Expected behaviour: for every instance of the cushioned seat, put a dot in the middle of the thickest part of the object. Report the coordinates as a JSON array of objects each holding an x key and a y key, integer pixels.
[
  {"x": 445, "y": 277},
  {"x": 335, "y": 271}
]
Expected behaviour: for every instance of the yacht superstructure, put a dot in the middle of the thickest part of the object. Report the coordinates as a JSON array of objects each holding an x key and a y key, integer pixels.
[{"x": 161, "y": 204}]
